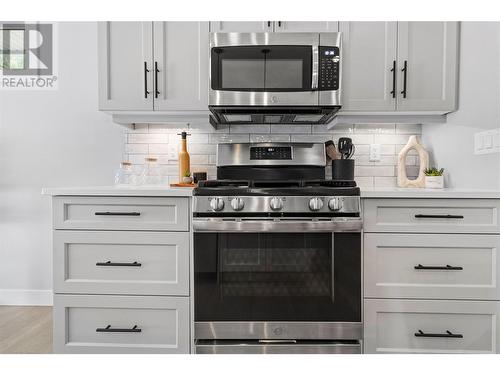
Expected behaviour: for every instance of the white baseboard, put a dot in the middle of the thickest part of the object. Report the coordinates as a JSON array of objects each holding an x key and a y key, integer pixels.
[{"x": 25, "y": 297}]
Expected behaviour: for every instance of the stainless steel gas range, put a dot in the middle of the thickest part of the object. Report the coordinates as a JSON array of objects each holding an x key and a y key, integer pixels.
[{"x": 277, "y": 254}]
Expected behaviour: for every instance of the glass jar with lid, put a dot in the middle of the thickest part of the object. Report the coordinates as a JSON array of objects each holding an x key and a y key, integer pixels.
[
  {"x": 125, "y": 175},
  {"x": 151, "y": 174}
]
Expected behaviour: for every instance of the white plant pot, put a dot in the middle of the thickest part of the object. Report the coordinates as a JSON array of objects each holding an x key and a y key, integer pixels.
[
  {"x": 187, "y": 180},
  {"x": 434, "y": 182}
]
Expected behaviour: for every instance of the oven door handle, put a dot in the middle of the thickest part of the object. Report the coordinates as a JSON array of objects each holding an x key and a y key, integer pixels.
[
  {"x": 315, "y": 67},
  {"x": 283, "y": 226}
]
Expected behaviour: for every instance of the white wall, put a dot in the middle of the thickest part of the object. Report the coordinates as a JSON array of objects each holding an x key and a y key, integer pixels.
[
  {"x": 49, "y": 139},
  {"x": 452, "y": 144}
]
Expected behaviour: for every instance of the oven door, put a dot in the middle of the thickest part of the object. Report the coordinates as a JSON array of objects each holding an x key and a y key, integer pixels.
[
  {"x": 277, "y": 285},
  {"x": 262, "y": 69}
]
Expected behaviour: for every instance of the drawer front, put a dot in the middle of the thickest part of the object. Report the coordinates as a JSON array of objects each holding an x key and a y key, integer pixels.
[
  {"x": 121, "y": 213},
  {"x": 154, "y": 263},
  {"x": 121, "y": 324},
  {"x": 432, "y": 215},
  {"x": 447, "y": 266},
  {"x": 412, "y": 326}
]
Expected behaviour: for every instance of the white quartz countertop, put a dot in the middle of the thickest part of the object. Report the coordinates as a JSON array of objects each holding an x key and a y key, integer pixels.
[
  {"x": 429, "y": 193},
  {"x": 187, "y": 192},
  {"x": 140, "y": 191}
]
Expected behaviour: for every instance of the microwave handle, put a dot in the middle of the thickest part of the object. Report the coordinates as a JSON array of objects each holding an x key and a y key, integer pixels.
[{"x": 315, "y": 67}]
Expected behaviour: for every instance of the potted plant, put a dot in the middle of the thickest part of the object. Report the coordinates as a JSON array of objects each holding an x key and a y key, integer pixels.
[
  {"x": 434, "y": 178},
  {"x": 187, "y": 178}
]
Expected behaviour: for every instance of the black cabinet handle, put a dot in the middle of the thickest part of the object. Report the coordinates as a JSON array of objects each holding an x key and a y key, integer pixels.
[
  {"x": 268, "y": 23},
  {"x": 422, "y": 216},
  {"x": 279, "y": 23},
  {"x": 405, "y": 71},
  {"x": 146, "y": 71},
  {"x": 108, "y": 329},
  {"x": 118, "y": 264},
  {"x": 107, "y": 213},
  {"x": 448, "y": 334},
  {"x": 393, "y": 70},
  {"x": 444, "y": 268},
  {"x": 156, "y": 80}
]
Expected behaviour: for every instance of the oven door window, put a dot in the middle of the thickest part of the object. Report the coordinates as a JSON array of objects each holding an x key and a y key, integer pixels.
[
  {"x": 277, "y": 277},
  {"x": 262, "y": 68}
]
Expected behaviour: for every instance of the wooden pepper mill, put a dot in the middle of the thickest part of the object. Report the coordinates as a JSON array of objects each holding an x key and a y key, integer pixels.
[{"x": 184, "y": 165}]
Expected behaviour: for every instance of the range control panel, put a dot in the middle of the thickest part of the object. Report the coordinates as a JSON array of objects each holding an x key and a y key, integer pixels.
[
  {"x": 271, "y": 153},
  {"x": 329, "y": 62}
]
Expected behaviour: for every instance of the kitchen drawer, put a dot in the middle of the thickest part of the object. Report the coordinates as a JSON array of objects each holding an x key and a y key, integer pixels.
[
  {"x": 423, "y": 326},
  {"x": 85, "y": 324},
  {"x": 154, "y": 263},
  {"x": 432, "y": 215},
  {"x": 121, "y": 213},
  {"x": 463, "y": 266}
]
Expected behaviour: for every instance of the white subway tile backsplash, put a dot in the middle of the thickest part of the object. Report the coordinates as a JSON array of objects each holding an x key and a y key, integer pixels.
[
  {"x": 154, "y": 140},
  {"x": 269, "y": 138},
  {"x": 229, "y": 138},
  {"x": 290, "y": 129}
]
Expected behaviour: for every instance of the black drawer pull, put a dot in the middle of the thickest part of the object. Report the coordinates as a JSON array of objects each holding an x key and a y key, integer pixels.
[
  {"x": 422, "y": 216},
  {"x": 117, "y": 213},
  {"x": 108, "y": 329},
  {"x": 117, "y": 264},
  {"x": 445, "y": 268},
  {"x": 448, "y": 334}
]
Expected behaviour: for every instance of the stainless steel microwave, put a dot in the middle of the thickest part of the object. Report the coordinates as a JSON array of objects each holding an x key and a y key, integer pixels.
[{"x": 277, "y": 78}]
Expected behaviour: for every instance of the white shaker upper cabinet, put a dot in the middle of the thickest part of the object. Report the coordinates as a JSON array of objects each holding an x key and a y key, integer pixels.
[
  {"x": 369, "y": 57},
  {"x": 241, "y": 27},
  {"x": 305, "y": 27},
  {"x": 125, "y": 66},
  {"x": 180, "y": 66},
  {"x": 428, "y": 66}
]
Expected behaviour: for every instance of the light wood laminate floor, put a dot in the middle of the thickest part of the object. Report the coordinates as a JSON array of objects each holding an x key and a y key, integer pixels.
[{"x": 25, "y": 329}]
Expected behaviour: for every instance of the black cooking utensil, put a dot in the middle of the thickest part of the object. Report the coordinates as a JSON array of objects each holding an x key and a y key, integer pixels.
[{"x": 346, "y": 147}]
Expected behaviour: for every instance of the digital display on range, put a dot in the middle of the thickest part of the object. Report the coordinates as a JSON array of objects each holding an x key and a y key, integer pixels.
[{"x": 271, "y": 153}]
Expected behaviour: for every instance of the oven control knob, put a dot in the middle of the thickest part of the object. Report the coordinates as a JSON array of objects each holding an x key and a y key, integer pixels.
[
  {"x": 315, "y": 204},
  {"x": 237, "y": 204},
  {"x": 335, "y": 204},
  {"x": 276, "y": 203},
  {"x": 216, "y": 204}
]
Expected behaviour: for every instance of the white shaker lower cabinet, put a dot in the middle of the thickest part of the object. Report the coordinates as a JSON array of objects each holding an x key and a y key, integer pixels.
[
  {"x": 121, "y": 324},
  {"x": 423, "y": 326},
  {"x": 121, "y": 274},
  {"x": 430, "y": 275}
]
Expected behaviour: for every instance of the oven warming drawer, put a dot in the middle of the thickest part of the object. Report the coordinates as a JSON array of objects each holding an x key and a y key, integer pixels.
[
  {"x": 218, "y": 225},
  {"x": 277, "y": 347}
]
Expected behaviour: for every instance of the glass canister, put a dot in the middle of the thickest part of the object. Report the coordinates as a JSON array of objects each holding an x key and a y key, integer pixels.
[
  {"x": 151, "y": 174},
  {"x": 125, "y": 175}
]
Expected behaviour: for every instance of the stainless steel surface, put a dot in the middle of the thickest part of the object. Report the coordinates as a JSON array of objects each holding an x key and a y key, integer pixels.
[
  {"x": 294, "y": 204},
  {"x": 315, "y": 204},
  {"x": 217, "y": 204},
  {"x": 315, "y": 67},
  {"x": 238, "y": 154},
  {"x": 297, "y": 98},
  {"x": 233, "y": 225},
  {"x": 278, "y": 330},
  {"x": 241, "y": 347},
  {"x": 276, "y": 203},
  {"x": 237, "y": 204},
  {"x": 335, "y": 204}
]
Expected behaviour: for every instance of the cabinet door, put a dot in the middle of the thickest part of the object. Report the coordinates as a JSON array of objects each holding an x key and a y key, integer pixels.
[
  {"x": 369, "y": 55},
  {"x": 180, "y": 66},
  {"x": 241, "y": 27},
  {"x": 303, "y": 27},
  {"x": 125, "y": 51},
  {"x": 430, "y": 52}
]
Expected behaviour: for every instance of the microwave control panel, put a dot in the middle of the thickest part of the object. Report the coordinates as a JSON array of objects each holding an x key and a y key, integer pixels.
[{"x": 329, "y": 68}]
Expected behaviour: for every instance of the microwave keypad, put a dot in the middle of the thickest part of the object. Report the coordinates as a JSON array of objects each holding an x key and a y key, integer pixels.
[{"x": 329, "y": 60}]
